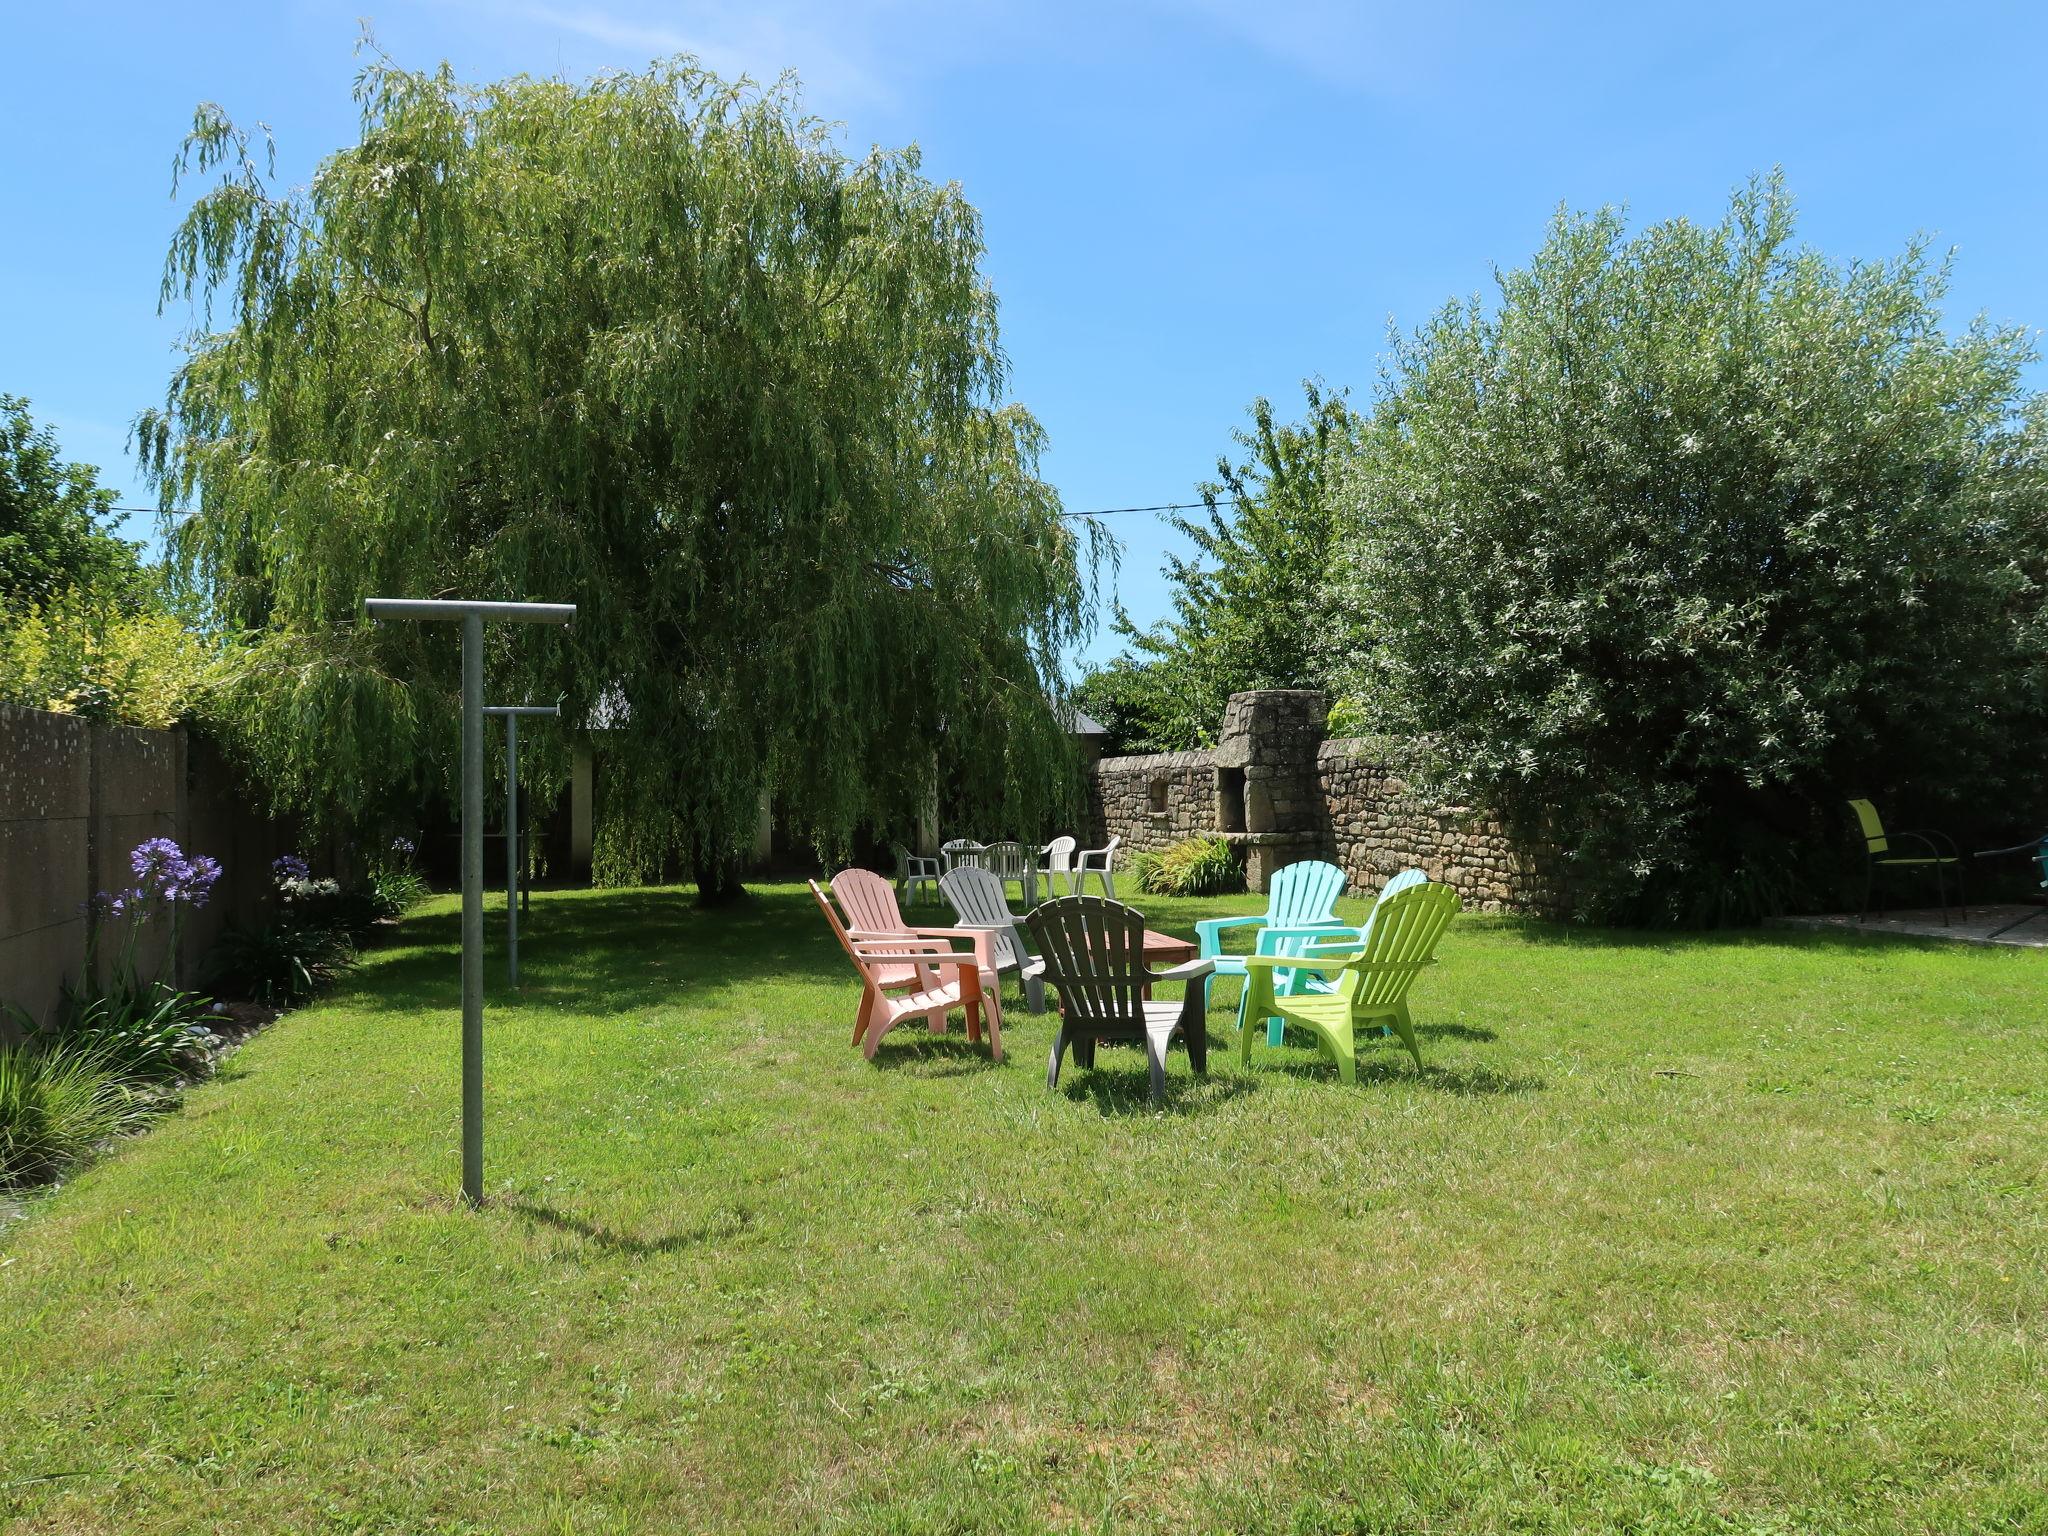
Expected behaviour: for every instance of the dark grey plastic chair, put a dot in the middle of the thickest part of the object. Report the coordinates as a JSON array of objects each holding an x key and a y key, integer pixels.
[{"x": 1094, "y": 957}]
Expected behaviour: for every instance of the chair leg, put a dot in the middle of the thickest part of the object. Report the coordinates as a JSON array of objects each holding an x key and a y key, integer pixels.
[
  {"x": 1276, "y": 1032},
  {"x": 1034, "y": 995},
  {"x": 995, "y": 1034},
  {"x": 1405, "y": 1028},
  {"x": 1109, "y": 884},
  {"x": 1195, "y": 1036},
  {"x": 867, "y": 1011},
  {"x": 1052, "y": 1066},
  {"x": 1155, "y": 1059}
]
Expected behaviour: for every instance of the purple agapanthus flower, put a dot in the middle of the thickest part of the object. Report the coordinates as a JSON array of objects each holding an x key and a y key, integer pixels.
[
  {"x": 291, "y": 867},
  {"x": 404, "y": 847},
  {"x": 156, "y": 862},
  {"x": 197, "y": 878}
]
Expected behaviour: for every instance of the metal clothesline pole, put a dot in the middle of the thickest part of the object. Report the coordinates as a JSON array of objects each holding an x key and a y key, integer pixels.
[
  {"x": 512, "y": 712},
  {"x": 472, "y": 616}
]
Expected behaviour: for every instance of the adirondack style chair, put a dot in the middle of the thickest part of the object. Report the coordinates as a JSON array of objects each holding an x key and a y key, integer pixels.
[
  {"x": 1316, "y": 941},
  {"x": 1094, "y": 958},
  {"x": 1099, "y": 862},
  {"x": 1371, "y": 984},
  {"x": 914, "y": 871},
  {"x": 1013, "y": 864},
  {"x": 959, "y": 850},
  {"x": 869, "y": 903},
  {"x": 978, "y": 899},
  {"x": 1302, "y": 896},
  {"x": 1928, "y": 849},
  {"x": 901, "y": 979},
  {"x": 1056, "y": 867}
]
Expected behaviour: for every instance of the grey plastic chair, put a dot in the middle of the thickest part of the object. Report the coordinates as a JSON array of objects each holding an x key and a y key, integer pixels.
[
  {"x": 1013, "y": 864},
  {"x": 978, "y": 900}
]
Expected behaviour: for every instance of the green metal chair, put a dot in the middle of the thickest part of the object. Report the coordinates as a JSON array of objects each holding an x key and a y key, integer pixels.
[{"x": 1940, "y": 854}]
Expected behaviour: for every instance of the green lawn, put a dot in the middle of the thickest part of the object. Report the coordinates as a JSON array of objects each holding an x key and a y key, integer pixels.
[{"x": 1736, "y": 1233}]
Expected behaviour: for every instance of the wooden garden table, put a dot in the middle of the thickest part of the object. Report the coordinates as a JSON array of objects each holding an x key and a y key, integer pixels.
[{"x": 1163, "y": 950}]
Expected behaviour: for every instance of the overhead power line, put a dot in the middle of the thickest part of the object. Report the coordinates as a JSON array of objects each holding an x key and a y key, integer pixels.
[{"x": 1170, "y": 506}]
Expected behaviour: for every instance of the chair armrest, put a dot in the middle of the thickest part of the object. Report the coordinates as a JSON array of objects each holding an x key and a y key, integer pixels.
[
  {"x": 1187, "y": 970},
  {"x": 1934, "y": 838},
  {"x": 1330, "y": 929},
  {"x": 1923, "y": 840},
  {"x": 902, "y": 938},
  {"x": 1300, "y": 962},
  {"x": 1209, "y": 931}
]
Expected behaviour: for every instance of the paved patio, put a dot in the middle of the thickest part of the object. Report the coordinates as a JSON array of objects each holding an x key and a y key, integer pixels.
[{"x": 1925, "y": 923}]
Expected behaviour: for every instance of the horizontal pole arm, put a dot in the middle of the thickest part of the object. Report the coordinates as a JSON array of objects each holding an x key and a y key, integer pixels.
[
  {"x": 455, "y": 608},
  {"x": 522, "y": 709}
]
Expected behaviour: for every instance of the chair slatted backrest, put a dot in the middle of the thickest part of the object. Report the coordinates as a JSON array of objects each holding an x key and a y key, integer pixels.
[
  {"x": 1007, "y": 860},
  {"x": 1405, "y": 930},
  {"x": 1059, "y": 854},
  {"x": 869, "y": 902},
  {"x": 1872, "y": 825},
  {"x": 1094, "y": 953},
  {"x": 958, "y": 851},
  {"x": 838, "y": 928},
  {"x": 1305, "y": 893},
  {"x": 979, "y": 900}
]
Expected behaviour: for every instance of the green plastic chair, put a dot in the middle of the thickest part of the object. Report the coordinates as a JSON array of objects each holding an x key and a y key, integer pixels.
[
  {"x": 1878, "y": 853},
  {"x": 1371, "y": 984},
  {"x": 1318, "y": 939}
]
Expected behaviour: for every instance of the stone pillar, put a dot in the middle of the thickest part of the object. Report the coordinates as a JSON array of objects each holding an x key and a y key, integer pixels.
[{"x": 1268, "y": 785}]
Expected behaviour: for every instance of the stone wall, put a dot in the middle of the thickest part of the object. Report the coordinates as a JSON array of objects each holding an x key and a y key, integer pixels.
[
  {"x": 1152, "y": 801},
  {"x": 1280, "y": 792},
  {"x": 75, "y": 798},
  {"x": 1379, "y": 827}
]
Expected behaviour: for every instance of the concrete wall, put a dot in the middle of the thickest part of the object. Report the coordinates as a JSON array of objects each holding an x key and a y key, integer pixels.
[
  {"x": 1280, "y": 793},
  {"x": 75, "y": 799}
]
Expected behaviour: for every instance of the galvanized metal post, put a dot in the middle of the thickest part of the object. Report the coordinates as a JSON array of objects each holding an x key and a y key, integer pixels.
[
  {"x": 512, "y": 848},
  {"x": 472, "y": 616},
  {"x": 473, "y": 908}
]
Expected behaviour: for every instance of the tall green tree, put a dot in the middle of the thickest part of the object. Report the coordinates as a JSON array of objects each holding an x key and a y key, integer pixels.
[
  {"x": 58, "y": 526},
  {"x": 1693, "y": 533},
  {"x": 1251, "y": 605},
  {"x": 652, "y": 345}
]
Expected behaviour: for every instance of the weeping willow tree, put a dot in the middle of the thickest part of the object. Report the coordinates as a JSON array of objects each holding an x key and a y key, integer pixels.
[{"x": 654, "y": 346}]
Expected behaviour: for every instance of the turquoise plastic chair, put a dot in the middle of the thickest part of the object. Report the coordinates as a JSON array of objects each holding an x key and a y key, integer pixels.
[
  {"x": 1313, "y": 942},
  {"x": 1303, "y": 895}
]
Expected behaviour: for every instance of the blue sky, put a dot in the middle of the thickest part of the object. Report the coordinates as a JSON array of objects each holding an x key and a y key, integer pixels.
[{"x": 1188, "y": 202}]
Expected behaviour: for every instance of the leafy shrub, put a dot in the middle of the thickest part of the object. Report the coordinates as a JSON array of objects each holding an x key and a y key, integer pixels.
[
  {"x": 1692, "y": 534},
  {"x": 282, "y": 964},
  {"x": 137, "y": 1033},
  {"x": 79, "y": 654},
  {"x": 394, "y": 892},
  {"x": 55, "y": 1107},
  {"x": 1200, "y": 866}
]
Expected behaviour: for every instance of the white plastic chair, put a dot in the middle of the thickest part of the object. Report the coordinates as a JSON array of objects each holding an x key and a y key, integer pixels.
[
  {"x": 914, "y": 871},
  {"x": 1057, "y": 866},
  {"x": 1013, "y": 864},
  {"x": 980, "y": 902},
  {"x": 959, "y": 851},
  {"x": 1099, "y": 862}
]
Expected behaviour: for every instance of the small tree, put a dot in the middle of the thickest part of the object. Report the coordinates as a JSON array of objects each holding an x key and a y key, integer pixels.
[
  {"x": 1251, "y": 606},
  {"x": 57, "y": 522},
  {"x": 1692, "y": 535}
]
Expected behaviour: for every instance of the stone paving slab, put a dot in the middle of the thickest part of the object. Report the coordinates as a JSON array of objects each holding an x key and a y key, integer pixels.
[{"x": 1926, "y": 923}]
